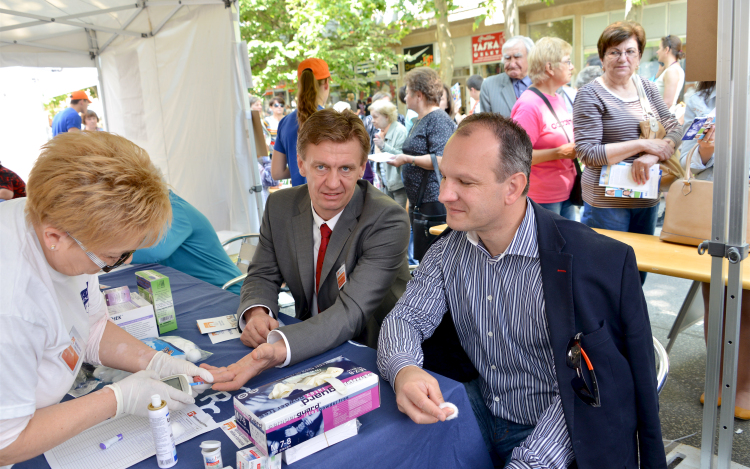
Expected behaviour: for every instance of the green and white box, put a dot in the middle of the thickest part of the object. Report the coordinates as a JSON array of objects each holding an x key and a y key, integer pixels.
[{"x": 154, "y": 287}]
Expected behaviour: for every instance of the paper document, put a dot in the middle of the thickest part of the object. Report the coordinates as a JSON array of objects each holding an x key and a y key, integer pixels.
[
  {"x": 618, "y": 182},
  {"x": 381, "y": 157},
  {"x": 217, "y": 324},
  {"x": 137, "y": 443},
  {"x": 222, "y": 336}
]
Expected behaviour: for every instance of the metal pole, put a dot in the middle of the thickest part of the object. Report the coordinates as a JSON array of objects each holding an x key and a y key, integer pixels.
[
  {"x": 255, "y": 181},
  {"x": 98, "y": 61},
  {"x": 736, "y": 249},
  {"x": 718, "y": 227}
]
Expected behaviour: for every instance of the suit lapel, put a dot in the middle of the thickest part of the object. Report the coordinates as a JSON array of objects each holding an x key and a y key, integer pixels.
[
  {"x": 303, "y": 242},
  {"x": 508, "y": 93},
  {"x": 557, "y": 282},
  {"x": 342, "y": 231}
]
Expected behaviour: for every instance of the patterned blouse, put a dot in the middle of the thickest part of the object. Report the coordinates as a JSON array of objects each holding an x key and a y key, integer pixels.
[{"x": 428, "y": 136}]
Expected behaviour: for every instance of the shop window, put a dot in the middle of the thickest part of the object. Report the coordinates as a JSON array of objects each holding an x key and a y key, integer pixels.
[{"x": 561, "y": 28}]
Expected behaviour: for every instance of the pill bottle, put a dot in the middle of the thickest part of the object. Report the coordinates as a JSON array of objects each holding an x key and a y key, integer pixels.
[
  {"x": 211, "y": 451},
  {"x": 158, "y": 417}
]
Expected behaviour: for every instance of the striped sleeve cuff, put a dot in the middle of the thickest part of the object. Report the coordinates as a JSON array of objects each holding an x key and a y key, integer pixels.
[
  {"x": 395, "y": 364},
  {"x": 548, "y": 446}
]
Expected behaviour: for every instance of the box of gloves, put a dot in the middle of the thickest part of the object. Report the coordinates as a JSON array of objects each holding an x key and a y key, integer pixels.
[{"x": 284, "y": 413}]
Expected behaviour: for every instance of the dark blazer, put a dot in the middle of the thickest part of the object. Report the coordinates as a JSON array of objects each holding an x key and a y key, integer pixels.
[
  {"x": 591, "y": 285},
  {"x": 497, "y": 95},
  {"x": 370, "y": 238}
]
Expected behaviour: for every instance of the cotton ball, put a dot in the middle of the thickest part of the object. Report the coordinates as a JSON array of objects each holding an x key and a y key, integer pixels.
[
  {"x": 193, "y": 355},
  {"x": 452, "y": 406}
]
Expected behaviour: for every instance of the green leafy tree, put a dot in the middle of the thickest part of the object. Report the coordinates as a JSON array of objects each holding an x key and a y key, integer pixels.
[{"x": 350, "y": 35}]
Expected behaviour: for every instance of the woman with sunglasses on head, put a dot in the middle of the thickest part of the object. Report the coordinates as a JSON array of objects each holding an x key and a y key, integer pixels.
[
  {"x": 93, "y": 199},
  {"x": 606, "y": 119},
  {"x": 272, "y": 122}
]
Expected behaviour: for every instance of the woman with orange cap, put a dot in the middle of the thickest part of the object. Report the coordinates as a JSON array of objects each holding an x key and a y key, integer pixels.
[{"x": 313, "y": 87}]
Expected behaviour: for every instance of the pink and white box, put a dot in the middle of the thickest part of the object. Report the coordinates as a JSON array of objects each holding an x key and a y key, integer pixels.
[{"x": 275, "y": 425}]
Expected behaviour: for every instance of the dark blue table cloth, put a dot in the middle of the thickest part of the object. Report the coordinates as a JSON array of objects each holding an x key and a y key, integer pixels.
[{"x": 387, "y": 437}]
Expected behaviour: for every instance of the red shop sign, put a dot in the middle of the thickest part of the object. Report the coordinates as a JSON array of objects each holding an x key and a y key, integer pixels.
[{"x": 487, "y": 48}]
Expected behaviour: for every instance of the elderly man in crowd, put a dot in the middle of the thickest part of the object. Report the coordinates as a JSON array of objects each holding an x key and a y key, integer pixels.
[
  {"x": 500, "y": 92},
  {"x": 545, "y": 309},
  {"x": 338, "y": 243}
]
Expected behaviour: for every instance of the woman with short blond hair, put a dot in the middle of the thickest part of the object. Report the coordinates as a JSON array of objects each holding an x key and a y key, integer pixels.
[
  {"x": 544, "y": 116},
  {"x": 93, "y": 199},
  {"x": 390, "y": 139}
]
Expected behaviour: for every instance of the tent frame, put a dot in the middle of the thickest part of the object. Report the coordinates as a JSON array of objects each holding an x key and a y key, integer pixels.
[
  {"x": 728, "y": 230},
  {"x": 94, "y": 52}
]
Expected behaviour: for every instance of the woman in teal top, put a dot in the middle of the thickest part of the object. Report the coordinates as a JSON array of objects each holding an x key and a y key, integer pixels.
[{"x": 192, "y": 247}]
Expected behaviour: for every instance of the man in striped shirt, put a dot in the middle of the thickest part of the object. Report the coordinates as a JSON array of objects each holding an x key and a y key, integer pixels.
[{"x": 525, "y": 289}]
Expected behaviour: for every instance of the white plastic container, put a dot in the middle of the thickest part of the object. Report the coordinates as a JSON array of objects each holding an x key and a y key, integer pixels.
[
  {"x": 158, "y": 416},
  {"x": 211, "y": 451}
]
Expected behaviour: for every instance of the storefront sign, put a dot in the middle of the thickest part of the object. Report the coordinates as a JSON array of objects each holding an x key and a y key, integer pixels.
[
  {"x": 487, "y": 48},
  {"x": 418, "y": 55}
]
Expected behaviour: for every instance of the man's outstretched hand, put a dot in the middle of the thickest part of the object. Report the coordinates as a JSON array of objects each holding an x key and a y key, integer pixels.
[
  {"x": 418, "y": 396},
  {"x": 237, "y": 374}
]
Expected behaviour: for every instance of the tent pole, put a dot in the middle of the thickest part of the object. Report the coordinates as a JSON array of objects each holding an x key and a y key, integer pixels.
[
  {"x": 730, "y": 199},
  {"x": 100, "y": 89},
  {"x": 256, "y": 187}
]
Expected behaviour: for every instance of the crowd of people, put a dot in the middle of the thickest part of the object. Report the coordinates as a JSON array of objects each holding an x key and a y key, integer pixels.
[{"x": 550, "y": 315}]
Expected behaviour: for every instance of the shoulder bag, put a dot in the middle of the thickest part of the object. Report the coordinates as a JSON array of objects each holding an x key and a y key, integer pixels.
[
  {"x": 576, "y": 192},
  {"x": 687, "y": 219},
  {"x": 651, "y": 128},
  {"x": 426, "y": 215}
]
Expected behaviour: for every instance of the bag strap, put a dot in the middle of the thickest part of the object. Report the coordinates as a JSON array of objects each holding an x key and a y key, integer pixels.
[
  {"x": 689, "y": 162},
  {"x": 653, "y": 123},
  {"x": 549, "y": 106},
  {"x": 423, "y": 184}
]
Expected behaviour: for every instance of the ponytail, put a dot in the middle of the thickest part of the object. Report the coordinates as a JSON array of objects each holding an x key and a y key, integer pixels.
[{"x": 307, "y": 96}]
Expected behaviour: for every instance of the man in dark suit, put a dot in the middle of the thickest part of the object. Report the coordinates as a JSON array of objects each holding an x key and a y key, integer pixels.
[
  {"x": 338, "y": 243},
  {"x": 500, "y": 92},
  {"x": 550, "y": 313}
]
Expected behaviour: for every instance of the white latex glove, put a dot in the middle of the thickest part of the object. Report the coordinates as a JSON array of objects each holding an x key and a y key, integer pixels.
[
  {"x": 134, "y": 393},
  {"x": 166, "y": 365}
]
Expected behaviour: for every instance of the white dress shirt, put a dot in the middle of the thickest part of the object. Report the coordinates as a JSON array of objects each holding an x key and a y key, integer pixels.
[{"x": 276, "y": 335}]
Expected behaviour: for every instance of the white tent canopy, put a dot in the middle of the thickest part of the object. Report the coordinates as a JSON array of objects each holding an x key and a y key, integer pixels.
[{"x": 173, "y": 76}]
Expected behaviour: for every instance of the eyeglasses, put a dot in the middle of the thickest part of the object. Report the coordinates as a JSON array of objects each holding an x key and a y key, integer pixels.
[
  {"x": 278, "y": 105},
  {"x": 573, "y": 360},
  {"x": 101, "y": 264},
  {"x": 569, "y": 63},
  {"x": 615, "y": 54}
]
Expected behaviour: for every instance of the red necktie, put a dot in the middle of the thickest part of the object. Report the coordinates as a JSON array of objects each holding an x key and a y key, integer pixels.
[{"x": 325, "y": 235}]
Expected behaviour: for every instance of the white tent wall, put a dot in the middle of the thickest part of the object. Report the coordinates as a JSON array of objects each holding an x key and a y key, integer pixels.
[{"x": 176, "y": 95}]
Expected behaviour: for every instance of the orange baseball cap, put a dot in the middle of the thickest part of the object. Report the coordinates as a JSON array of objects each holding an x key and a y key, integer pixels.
[
  {"x": 319, "y": 68},
  {"x": 79, "y": 95}
]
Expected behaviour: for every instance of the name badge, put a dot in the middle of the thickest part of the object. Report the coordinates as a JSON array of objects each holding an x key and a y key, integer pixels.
[
  {"x": 341, "y": 276},
  {"x": 73, "y": 355}
]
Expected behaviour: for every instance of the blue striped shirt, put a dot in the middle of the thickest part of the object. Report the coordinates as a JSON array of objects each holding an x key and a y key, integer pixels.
[{"x": 497, "y": 304}]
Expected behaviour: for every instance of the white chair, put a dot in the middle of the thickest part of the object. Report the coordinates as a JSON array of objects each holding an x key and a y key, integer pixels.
[
  {"x": 663, "y": 370},
  {"x": 248, "y": 245}
]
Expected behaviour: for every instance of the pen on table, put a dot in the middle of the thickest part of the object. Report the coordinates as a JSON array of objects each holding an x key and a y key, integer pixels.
[{"x": 111, "y": 441}]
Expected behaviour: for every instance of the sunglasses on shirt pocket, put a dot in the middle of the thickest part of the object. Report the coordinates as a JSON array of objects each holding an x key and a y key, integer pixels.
[{"x": 573, "y": 359}]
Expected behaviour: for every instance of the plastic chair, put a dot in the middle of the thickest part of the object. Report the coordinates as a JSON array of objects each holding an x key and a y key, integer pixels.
[
  {"x": 663, "y": 370},
  {"x": 249, "y": 242}
]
